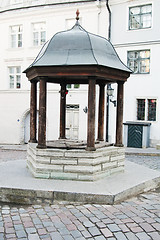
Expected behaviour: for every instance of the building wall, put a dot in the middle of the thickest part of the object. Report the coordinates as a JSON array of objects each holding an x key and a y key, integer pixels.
[
  {"x": 58, "y": 16},
  {"x": 138, "y": 85}
]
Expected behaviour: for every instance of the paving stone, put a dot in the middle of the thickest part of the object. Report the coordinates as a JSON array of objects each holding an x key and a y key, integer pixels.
[
  {"x": 131, "y": 236},
  {"x": 100, "y": 225},
  {"x": 21, "y": 234},
  {"x": 30, "y": 230},
  {"x": 33, "y": 236},
  {"x": 106, "y": 232},
  {"x": 113, "y": 227},
  {"x": 100, "y": 238},
  {"x": 88, "y": 224},
  {"x": 154, "y": 235},
  {"x": 123, "y": 228},
  {"x": 143, "y": 236},
  {"x": 56, "y": 236},
  {"x": 76, "y": 234},
  {"x": 147, "y": 227},
  {"x": 63, "y": 231},
  {"x": 120, "y": 236},
  {"x": 156, "y": 226},
  {"x": 94, "y": 231},
  {"x": 68, "y": 237}
]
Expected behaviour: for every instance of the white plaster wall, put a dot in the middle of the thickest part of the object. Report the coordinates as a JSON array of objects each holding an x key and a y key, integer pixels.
[
  {"x": 138, "y": 85},
  {"x": 14, "y": 104}
]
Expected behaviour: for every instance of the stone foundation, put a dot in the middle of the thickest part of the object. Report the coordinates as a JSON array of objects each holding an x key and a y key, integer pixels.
[{"x": 75, "y": 164}]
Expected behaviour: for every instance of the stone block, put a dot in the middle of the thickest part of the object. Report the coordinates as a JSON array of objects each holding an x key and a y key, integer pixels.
[
  {"x": 82, "y": 169},
  {"x": 117, "y": 158},
  {"x": 64, "y": 161},
  {"x": 109, "y": 165},
  {"x": 74, "y": 164},
  {"x": 64, "y": 176},
  {"x": 93, "y": 162}
]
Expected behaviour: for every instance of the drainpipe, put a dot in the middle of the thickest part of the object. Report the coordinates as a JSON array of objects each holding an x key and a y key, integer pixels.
[
  {"x": 108, "y": 85},
  {"x": 109, "y": 28}
]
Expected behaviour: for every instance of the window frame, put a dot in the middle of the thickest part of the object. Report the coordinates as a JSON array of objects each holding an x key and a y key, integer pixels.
[
  {"x": 17, "y": 77},
  {"x": 140, "y": 15},
  {"x": 18, "y": 36},
  {"x": 39, "y": 32},
  {"x": 147, "y": 117},
  {"x": 139, "y": 60}
]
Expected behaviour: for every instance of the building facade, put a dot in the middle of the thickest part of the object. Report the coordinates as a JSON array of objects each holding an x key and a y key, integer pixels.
[
  {"x": 27, "y": 24},
  {"x": 136, "y": 37}
]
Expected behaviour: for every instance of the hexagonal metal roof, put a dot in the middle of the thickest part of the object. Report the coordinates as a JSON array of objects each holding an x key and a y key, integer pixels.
[{"x": 78, "y": 47}]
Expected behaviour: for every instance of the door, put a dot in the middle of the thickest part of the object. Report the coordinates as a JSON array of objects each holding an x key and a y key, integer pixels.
[
  {"x": 72, "y": 121},
  {"x": 135, "y": 133}
]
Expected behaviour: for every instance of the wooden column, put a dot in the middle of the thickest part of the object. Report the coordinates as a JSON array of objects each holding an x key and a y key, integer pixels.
[
  {"x": 63, "y": 111},
  {"x": 42, "y": 114},
  {"x": 101, "y": 113},
  {"x": 91, "y": 115},
  {"x": 119, "y": 122},
  {"x": 33, "y": 112}
]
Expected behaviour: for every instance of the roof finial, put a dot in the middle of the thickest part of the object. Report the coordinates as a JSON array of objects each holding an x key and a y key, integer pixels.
[{"x": 77, "y": 13}]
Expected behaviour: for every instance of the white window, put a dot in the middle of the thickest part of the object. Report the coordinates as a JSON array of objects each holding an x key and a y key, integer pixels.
[
  {"x": 139, "y": 61},
  {"x": 140, "y": 17},
  {"x": 16, "y": 36},
  {"x": 39, "y": 33},
  {"x": 14, "y": 77}
]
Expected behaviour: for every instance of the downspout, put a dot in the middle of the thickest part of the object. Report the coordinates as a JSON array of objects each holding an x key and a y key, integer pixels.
[
  {"x": 109, "y": 27},
  {"x": 108, "y": 85}
]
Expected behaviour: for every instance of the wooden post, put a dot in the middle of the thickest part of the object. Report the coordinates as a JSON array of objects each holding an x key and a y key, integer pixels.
[
  {"x": 63, "y": 111},
  {"x": 119, "y": 122},
  {"x": 33, "y": 112},
  {"x": 91, "y": 115},
  {"x": 42, "y": 114},
  {"x": 101, "y": 113}
]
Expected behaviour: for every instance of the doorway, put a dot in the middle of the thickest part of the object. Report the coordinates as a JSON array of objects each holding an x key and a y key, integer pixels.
[{"x": 72, "y": 121}]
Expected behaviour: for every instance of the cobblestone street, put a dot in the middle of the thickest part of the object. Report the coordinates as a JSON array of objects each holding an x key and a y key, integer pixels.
[
  {"x": 152, "y": 162},
  {"x": 136, "y": 218}
]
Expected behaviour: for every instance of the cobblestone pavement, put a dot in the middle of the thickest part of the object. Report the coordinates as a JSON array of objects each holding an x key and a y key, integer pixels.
[
  {"x": 137, "y": 218},
  {"x": 148, "y": 161}
]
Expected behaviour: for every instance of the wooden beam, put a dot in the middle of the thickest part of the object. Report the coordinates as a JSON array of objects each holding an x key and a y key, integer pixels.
[
  {"x": 33, "y": 112},
  {"x": 42, "y": 114},
  {"x": 91, "y": 115},
  {"x": 101, "y": 113},
  {"x": 119, "y": 119},
  {"x": 63, "y": 111}
]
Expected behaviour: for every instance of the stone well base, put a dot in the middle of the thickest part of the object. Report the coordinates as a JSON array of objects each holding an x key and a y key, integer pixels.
[{"x": 75, "y": 164}]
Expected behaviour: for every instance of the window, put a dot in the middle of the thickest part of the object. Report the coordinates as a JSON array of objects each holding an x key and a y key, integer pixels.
[
  {"x": 146, "y": 109},
  {"x": 140, "y": 17},
  {"x": 139, "y": 61},
  {"x": 16, "y": 36},
  {"x": 39, "y": 34},
  {"x": 14, "y": 77},
  {"x": 71, "y": 86}
]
